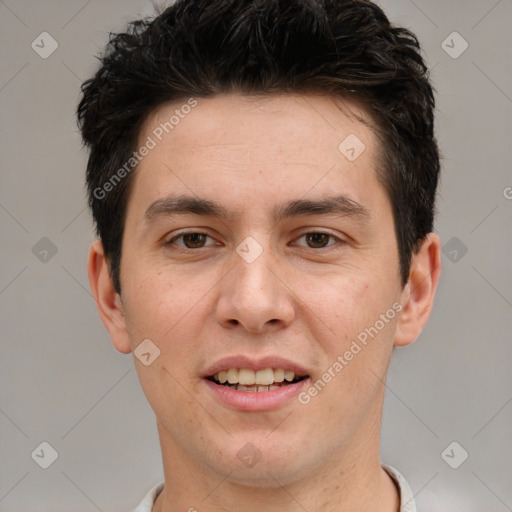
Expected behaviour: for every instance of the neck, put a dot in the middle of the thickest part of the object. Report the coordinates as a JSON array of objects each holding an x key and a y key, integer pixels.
[{"x": 351, "y": 481}]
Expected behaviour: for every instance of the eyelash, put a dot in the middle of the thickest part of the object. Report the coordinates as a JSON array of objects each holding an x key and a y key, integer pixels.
[{"x": 172, "y": 241}]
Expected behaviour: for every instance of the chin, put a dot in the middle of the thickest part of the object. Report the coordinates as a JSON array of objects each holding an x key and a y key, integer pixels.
[
  {"x": 261, "y": 463},
  {"x": 264, "y": 475}
]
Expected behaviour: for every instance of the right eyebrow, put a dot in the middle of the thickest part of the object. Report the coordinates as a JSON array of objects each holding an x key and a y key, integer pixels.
[{"x": 185, "y": 204}]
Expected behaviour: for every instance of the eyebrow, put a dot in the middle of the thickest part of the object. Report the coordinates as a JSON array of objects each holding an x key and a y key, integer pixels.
[{"x": 340, "y": 205}]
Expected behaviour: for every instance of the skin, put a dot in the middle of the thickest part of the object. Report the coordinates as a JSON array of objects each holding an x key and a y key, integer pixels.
[{"x": 298, "y": 299}]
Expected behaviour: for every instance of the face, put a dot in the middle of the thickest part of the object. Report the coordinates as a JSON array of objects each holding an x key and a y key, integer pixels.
[{"x": 256, "y": 246}]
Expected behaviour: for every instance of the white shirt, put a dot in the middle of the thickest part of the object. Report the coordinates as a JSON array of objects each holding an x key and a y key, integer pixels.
[{"x": 407, "y": 503}]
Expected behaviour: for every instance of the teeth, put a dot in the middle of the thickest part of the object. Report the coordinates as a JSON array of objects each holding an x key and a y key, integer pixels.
[
  {"x": 240, "y": 387},
  {"x": 261, "y": 379},
  {"x": 246, "y": 377},
  {"x": 279, "y": 375},
  {"x": 233, "y": 376},
  {"x": 289, "y": 376},
  {"x": 264, "y": 377},
  {"x": 255, "y": 388}
]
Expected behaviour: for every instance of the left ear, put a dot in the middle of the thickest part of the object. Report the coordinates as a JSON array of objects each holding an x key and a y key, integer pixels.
[{"x": 418, "y": 294}]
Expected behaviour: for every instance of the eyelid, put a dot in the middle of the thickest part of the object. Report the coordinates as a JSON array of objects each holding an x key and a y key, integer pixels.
[
  {"x": 180, "y": 234},
  {"x": 322, "y": 232}
]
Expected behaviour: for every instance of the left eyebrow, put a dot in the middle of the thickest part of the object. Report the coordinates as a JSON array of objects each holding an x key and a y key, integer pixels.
[{"x": 341, "y": 205}]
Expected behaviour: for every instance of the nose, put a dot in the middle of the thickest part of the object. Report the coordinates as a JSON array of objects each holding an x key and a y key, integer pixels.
[{"x": 255, "y": 294}]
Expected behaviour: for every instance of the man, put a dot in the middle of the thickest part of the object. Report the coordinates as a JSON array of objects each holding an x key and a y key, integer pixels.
[{"x": 262, "y": 175}]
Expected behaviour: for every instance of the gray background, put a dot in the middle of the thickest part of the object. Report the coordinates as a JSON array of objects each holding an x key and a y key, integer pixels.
[{"x": 62, "y": 381}]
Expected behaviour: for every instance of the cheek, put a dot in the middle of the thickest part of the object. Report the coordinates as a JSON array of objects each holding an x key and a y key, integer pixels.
[
  {"x": 170, "y": 308},
  {"x": 343, "y": 303},
  {"x": 350, "y": 310},
  {"x": 164, "y": 313},
  {"x": 355, "y": 357},
  {"x": 158, "y": 301}
]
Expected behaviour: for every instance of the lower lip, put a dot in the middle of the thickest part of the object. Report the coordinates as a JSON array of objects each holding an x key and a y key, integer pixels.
[{"x": 256, "y": 400}]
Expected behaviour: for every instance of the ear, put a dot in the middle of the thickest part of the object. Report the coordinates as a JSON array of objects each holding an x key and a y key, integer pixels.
[
  {"x": 418, "y": 294},
  {"x": 107, "y": 299}
]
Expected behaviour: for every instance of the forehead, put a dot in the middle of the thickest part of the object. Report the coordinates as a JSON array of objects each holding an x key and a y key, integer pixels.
[
  {"x": 271, "y": 145},
  {"x": 235, "y": 118}
]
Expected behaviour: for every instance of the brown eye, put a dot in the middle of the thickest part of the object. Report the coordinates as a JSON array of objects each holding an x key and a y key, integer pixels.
[
  {"x": 194, "y": 240},
  {"x": 317, "y": 240},
  {"x": 189, "y": 240}
]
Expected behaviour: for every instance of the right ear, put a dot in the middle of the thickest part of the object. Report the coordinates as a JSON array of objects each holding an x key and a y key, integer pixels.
[{"x": 107, "y": 300}]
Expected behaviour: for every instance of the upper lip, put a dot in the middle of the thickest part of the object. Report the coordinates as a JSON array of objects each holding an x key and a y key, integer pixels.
[{"x": 243, "y": 361}]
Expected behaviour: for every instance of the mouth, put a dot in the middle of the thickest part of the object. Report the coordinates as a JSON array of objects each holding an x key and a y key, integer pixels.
[
  {"x": 246, "y": 379},
  {"x": 249, "y": 384}
]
